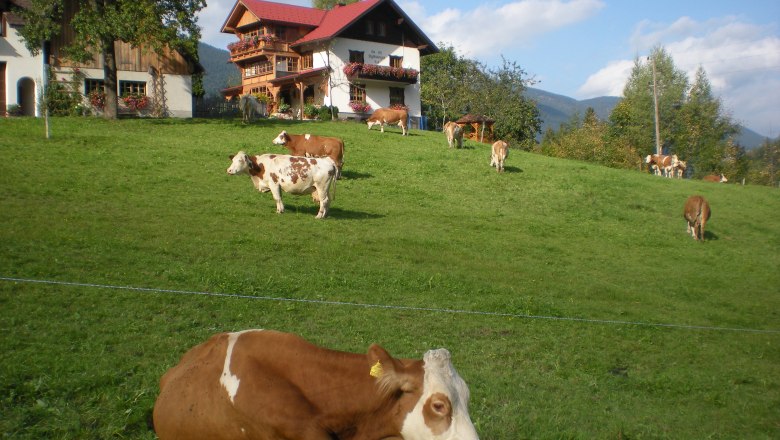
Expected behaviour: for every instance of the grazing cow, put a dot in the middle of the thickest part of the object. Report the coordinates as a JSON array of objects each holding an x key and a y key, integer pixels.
[
  {"x": 660, "y": 164},
  {"x": 678, "y": 167},
  {"x": 293, "y": 174},
  {"x": 696, "y": 213},
  {"x": 500, "y": 151},
  {"x": 314, "y": 146},
  {"x": 384, "y": 116},
  {"x": 454, "y": 134},
  {"x": 263, "y": 384},
  {"x": 249, "y": 105},
  {"x": 714, "y": 178}
]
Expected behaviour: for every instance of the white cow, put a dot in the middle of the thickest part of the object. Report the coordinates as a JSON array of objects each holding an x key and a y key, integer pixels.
[
  {"x": 292, "y": 174},
  {"x": 454, "y": 134},
  {"x": 499, "y": 153}
]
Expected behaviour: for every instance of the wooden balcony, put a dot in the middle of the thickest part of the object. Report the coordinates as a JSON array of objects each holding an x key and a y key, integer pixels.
[
  {"x": 373, "y": 72},
  {"x": 246, "y": 50}
]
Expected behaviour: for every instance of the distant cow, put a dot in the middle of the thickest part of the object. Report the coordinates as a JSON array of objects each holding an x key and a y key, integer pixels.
[
  {"x": 292, "y": 174},
  {"x": 696, "y": 213},
  {"x": 263, "y": 384},
  {"x": 660, "y": 164},
  {"x": 678, "y": 167},
  {"x": 249, "y": 105},
  {"x": 714, "y": 178},
  {"x": 314, "y": 146},
  {"x": 499, "y": 153},
  {"x": 384, "y": 116},
  {"x": 454, "y": 134}
]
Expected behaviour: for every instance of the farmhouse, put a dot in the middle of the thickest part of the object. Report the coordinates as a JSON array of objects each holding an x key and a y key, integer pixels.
[
  {"x": 357, "y": 57},
  {"x": 166, "y": 80}
]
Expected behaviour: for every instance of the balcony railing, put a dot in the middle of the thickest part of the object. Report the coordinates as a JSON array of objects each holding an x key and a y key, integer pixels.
[
  {"x": 256, "y": 46},
  {"x": 382, "y": 73}
]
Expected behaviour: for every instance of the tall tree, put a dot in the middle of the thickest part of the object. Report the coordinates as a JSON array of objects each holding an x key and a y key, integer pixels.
[
  {"x": 97, "y": 24},
  {"x": 330, "y": 4},
  {"x": 444, "y": 76}
]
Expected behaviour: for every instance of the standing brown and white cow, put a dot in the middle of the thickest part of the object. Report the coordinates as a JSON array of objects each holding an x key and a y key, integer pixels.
[
  {"x": 499, "y": 153},
  {"x": 292, "y": 174},
  {"x": 678, "y": 167},
  {"x": 696, "y": 213},
  {"x": 314, "y": 146},
  {"x": 262, "y": 384},
  {"x": 384, "y": 116},
  {"x": 454, "y": 134},
  {"x": 660, "y": 164}
]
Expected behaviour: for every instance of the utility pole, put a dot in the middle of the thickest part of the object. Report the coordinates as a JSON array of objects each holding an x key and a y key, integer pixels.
[{"x": 655, "y": 104}]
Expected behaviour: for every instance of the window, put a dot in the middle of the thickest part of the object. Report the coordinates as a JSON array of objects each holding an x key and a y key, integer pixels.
[
  {"x": 262, "y": 90},
  {"x": 92, "y": 85},
  {"x": 286, "y": 64},
  {"x": 357, "y": 92},
  {"x": 132, "y": 87},
  {"x": 307, "y": 60},
  {"x": 381, "y": 29},
  {"x": 281, "y": 33},
  {"x": 396, "y": 61},
  {"x": 369, "y": 27},
  {"x": 261, "y": 68},
  {"x": 396, "y": 96},
  {"x": 356, "y": 56}
]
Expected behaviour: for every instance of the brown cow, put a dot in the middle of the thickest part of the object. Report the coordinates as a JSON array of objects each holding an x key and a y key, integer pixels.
[
  {"x": 384, "y": 116},
  {"x": 313, "y": 146},
  {"x": 660, "y": 164},
  {"x": 454, "y": 134},
  {"x": 499, "y": 153},
  {"x": 262, "y": 384},
  {"x": 696, "y": 213},
  {"x": 714, "y": 178}
]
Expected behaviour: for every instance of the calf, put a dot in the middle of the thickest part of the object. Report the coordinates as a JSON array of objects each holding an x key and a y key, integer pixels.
[
  {"x": 262, "y": 384},
  {"x": 454, "y": 134},
  {"x": 696, "y": 213},
  {"x": 500, "y": 151},
  {"x": 384, "y": 116},
  {"x": 714, "y": 178},
  {"x": 293, "y": 174},
  {"x": 315, "y": 146},
  {"x": 660, "y": 164},
  {"x": 678, "y": 167}
]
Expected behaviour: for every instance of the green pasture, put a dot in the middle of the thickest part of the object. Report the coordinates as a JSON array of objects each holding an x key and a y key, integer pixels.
[{"x": 573, "y": 301}]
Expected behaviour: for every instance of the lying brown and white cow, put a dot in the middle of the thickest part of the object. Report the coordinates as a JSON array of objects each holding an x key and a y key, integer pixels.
[
  {"x": 696, "y": 213},
  {"x": 454, "y": 134},
  {"x": 660, "y": 164},
  {"x": 499, "y": 153},
  {"x": 262, "y": 384},
  {"x": 714, "y": 178},
  {"x": 292, "y": 174},
  {"x": 314, "y": 146},
  {"x": 384, "y": 116}
]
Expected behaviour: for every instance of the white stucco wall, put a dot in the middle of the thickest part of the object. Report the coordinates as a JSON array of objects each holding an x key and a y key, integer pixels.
[
  {"x": 377, "y": 92},
  {"x": 20, "y": 63}
]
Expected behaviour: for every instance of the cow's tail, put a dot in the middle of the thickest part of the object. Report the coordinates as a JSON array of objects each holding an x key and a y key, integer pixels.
[{"x": 332, "y": 189}]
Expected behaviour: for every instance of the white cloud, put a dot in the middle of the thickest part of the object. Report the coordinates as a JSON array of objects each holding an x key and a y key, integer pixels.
[
  {"x": 742, "y": 62},
  {"x": 487, "y": 29}
]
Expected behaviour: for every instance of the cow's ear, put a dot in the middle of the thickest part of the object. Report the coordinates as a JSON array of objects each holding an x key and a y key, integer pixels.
[
  {"x": 388, "y": 372},
  {"x": 232, "y": 156}
]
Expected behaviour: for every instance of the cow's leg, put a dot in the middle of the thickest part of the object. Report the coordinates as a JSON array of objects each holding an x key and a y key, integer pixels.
[
  {"x": 322, "y": 194},
  {"x": 402, "y": 124},
  {"x": 382, "y": 126},
  {"x": 276, "y": 191}
]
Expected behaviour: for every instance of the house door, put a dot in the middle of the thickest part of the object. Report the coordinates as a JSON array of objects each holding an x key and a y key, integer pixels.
[
  {"x": 26, "y": 96},
  {"x": 3, "y": 107}
]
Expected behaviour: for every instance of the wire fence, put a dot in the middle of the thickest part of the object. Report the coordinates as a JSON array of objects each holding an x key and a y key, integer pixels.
[{"x": 390, "y": 306}]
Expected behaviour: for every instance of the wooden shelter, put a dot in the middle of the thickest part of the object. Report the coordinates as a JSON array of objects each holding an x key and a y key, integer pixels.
[{"x": 477, "y": 127}]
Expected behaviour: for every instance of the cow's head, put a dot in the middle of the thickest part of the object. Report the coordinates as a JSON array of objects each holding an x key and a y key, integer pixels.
[
  {"x": 649, "y": 158},
  {"x": 439, "y": 410},
  {"x": 282, "y": 139},
  {"x": 241, "y": 164}
]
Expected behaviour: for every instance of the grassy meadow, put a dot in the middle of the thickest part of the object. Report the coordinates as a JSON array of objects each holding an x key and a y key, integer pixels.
[{"x": 562, "y": 264}]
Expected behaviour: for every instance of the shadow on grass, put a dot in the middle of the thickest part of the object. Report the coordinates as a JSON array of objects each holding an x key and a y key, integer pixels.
[
  {"x": 333, "y": 213},
  {"x": 355, "y": 175},
  {"x": 510, "y": 169}
]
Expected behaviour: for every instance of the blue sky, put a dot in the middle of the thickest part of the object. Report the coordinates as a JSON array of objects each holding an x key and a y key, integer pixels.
[{"x": 585, "y": 48}]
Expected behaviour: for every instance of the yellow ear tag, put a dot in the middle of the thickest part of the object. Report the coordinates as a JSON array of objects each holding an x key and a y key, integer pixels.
[{"x": 377, "y": 370}]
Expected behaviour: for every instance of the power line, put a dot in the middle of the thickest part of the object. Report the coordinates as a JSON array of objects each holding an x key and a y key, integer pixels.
[{"x": 390, "y": 307}]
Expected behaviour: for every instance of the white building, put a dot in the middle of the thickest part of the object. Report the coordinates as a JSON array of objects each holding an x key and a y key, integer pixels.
[{"x": 362, "y": 53}]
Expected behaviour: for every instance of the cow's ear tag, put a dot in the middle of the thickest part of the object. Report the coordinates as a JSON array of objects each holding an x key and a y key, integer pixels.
[{"x": 377, "y": 370}]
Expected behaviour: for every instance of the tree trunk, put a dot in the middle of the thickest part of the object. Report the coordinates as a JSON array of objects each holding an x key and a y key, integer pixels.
[{"x": 110, "y": 80}]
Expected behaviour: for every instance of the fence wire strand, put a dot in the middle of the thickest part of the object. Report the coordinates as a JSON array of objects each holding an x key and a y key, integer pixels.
[{"x": 388, "y": 306}]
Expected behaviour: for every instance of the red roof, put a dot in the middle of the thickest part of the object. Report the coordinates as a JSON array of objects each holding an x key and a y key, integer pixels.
[
  {"x": 278, "y": 12},
  {"x": 337, "y": 19}
]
